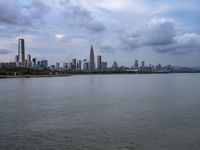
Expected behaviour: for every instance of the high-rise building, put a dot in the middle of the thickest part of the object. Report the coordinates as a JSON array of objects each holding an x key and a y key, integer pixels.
[
  {"x": 136, "y": 65},
  {"x": 44, "y": 63},
  {"x": 21, "y": 52},
  {"x": 38, "y": 64},
  {"x": 16, "y": 58},
  {"x": 69, "y": 66},
  {"x": 78, "y": 65},
  {"x": 143, "y": 64},
  {"x": 28, "y": 57},
  {"x": 28, "y": 60},
  {"x": 91, "y": 60},
  {"x": 115, "y": 66},
  {"x": 98, "y": 63},
  {"x": 64, "y": 65},
  {"x": 34, "y": 62},
  {"x": 73, "y": 67},
  {"x": 86, "y": 66},
  {"x": 58, "y": 65},
  {"x": 104, "y": 66}
]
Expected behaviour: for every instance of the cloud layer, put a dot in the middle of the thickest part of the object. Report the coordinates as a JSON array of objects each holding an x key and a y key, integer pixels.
[
  {"x": 67, "y": 28},
  {"x": 160, "y": 35}
]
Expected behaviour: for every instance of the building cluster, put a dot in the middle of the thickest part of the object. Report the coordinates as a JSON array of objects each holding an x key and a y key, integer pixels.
[
  {"x": 87, "y": 65},
  {"x": 25, "y": 61},
  {"x": 78, "y": 65}
]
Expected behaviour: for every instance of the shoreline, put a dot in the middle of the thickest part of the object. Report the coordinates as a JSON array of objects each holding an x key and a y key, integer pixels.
[
  {"x": 33, "y": 76},
  {"x": 72, "y": 74}
]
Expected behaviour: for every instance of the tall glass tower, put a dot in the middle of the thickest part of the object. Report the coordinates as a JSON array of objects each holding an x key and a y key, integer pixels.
[
  {"x": 91, "y": 61},
  {"x": 99, "y": 63},
  {"x": 21, "y": 51}
]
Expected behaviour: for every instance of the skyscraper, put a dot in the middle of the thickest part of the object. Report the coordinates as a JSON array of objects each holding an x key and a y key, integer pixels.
[
  {"x": 136, "y": 65},
  {"x": 44, "y": 63},
  {"x": 78, "y": 65},
  {"x": 16, "y": 58},
  {"x": 28, "y": 60},
  {"x": 114, "y": 66},
  {"x": 58, "y": 65},
  {"x": 91, "y": 60},
  {"x": 34, "y": 62},
  {"x": 21, "y": 52},
  {"x": 85, "y": 65},
  {"x": 98, "y": 63},
  {"x": 73, "y": 64},
  {"x": 104, "y": 66},
  {"x": 143, "y": 64}
]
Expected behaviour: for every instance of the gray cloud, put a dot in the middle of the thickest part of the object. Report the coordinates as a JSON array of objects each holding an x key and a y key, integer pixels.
[
  {"x": 76, "y": 15},
  {"x": 107, "y": 47},
  {"x": 184, "y": 44},
  {"x": 96, "y": 26},
  {"x": 5, "y": 51},
  {"x": 15, "y": 13},
  {"x": 39, "y": 9},
  {"x": 11, "y": 13},
  {"x": 160, "y": 35}
]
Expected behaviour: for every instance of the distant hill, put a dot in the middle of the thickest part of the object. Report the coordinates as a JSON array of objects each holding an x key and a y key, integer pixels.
[{"x": 185, "y": 69}]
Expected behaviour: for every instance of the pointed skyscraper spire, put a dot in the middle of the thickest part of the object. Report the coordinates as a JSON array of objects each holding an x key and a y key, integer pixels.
[{"x": 91, "y": 60}]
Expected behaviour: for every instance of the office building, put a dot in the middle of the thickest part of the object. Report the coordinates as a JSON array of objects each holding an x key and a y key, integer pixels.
[
  {"x": 104, "y": 66},
  {"x": 115, "y": 66},
  {"x": 143, "y": 64},
  {"x": 57, "y": 66},
  {"x": 73, "y": 67},
  {"x": 99, "y": 63},
  {"x": 34, "y": 62},
  {"x": 136, "y": 64},
  {"x": 91, "y": 60},
  {"x": 44, "y": 63},
  {"x": 86, "y": 67},
  {"x": 28, "y": 60},
  {"x": 21, "y": 52},
  {"x": 16, "y": 58},
  {"x": 69, "y": 66},
  {"x": 78, "y": 65},
  {"x": 64, "y": 65}
]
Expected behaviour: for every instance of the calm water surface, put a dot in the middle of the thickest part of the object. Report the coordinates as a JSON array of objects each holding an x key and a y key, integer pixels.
[{"x": 101, "y": 112}]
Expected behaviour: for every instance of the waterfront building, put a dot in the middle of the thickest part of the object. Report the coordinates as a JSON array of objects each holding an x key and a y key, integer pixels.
[
  {"x": 44, "y": 63},
  {"x": 104, "y": 66},
  {"x": 69, "y": 66},
  {"x": 78, "y": 65},
  {"x": 53, "y": 67},
  {"x": 65, "y": 65},
  {"x": 34, "y": 62},
  {"x": 91, "y": 60},
  {"x": 16, "y": 58},
  {"x": 8, "y": 65},
  {"x": 73, "y": 67},
  {"x": 143, "y": 64},
  {"x": 159, "y": 68},
  {"x": 57, "y": 66},
  {"x": 86, "y": 66},
  {"x": 114, "y": 66},
  {"x": 136, "y": 64},
  {"x": 38, "y": 64},
  {"x": 146, "y": 69},
  {"x": 28, "y": 60},
  {"x": 99, "y": 63},
  {"x": 21, "y": 52}
]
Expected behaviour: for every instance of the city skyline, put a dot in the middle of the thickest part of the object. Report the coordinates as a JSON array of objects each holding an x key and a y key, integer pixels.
[
  {"x": 122, "y": 31},
  {"x": 88, "y": 65}
]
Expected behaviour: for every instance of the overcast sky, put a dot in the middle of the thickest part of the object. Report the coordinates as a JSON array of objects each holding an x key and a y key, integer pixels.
[{"x": 157, "y": 31}]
